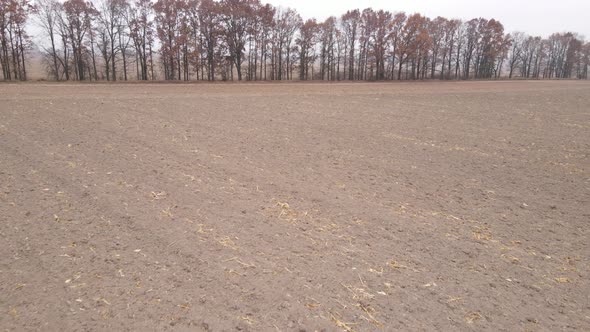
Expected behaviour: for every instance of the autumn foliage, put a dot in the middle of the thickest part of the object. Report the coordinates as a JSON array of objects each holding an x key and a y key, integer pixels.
[
  {"x": 13, "y": 38},
  {"x": 249, "y": 40}
]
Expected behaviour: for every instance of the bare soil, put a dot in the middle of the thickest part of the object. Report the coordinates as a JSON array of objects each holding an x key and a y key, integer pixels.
[{"x": 295, "y": 207}]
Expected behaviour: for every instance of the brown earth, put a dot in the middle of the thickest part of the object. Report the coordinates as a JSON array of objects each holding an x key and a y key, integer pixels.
[{"x": 295, "y": 207}]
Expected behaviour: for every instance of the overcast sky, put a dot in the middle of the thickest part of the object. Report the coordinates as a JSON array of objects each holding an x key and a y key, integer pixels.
[{"x": 535, "y": 17}]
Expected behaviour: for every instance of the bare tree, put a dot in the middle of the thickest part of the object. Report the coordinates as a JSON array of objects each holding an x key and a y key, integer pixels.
[
  {"x": 306, "y": 43},
  {"x": 78, "y": 23},
  {"x": 350, "y": 24},
  {"x": 287, "y": 22},
  {"x": 516, "y": 40},
  {"x": 47, "y": 13},
  {"x": 210, "y": 28},
  {"x": 141, "y": 31}
]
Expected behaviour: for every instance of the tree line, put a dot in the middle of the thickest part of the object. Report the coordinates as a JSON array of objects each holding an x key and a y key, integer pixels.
[{"x": 248, "y": 40}]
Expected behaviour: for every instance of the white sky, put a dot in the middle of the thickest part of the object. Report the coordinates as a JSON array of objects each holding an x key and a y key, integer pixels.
[{"x": 535, "y": 17}]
